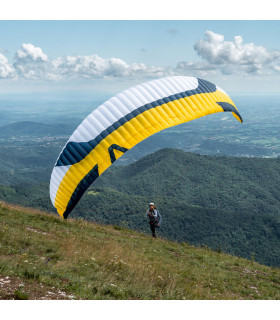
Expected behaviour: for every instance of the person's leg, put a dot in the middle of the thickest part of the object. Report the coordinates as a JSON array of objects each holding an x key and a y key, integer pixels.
[{"x": 153, "y": 227}]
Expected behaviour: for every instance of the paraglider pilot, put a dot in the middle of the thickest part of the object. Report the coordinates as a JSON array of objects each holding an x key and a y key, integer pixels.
[{"x": 154, "y": 218}]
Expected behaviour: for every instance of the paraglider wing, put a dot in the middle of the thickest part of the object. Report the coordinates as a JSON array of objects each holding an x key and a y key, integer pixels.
[{"x": 122, "y": 122}]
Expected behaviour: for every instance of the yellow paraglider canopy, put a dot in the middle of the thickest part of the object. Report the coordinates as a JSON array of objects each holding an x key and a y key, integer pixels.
[{"x": 122, "y": 122}]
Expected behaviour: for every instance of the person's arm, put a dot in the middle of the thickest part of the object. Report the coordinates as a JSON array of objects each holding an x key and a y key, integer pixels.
[{"x": 157, "y": 217}]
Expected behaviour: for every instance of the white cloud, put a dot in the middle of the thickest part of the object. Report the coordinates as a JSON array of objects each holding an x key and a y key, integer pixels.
[
  {"x": 31, "y": 53},
  {"x": 6, "y": 70},
  {"x": 235, "y": 55},
  {"x": 93, "y": 66},
  {"x": 31, "y": 62},
  {"x": 277, "y": 68}
]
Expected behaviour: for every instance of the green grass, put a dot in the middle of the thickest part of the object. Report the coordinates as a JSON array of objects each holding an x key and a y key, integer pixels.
[
  {"x": 92, "y": 261},
  {"x": 19, "y": 294},
  {"x": 93, "y": 193}
]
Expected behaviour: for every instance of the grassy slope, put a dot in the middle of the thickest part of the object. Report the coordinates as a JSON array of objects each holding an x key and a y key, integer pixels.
[{"x": 91, "y": 261}]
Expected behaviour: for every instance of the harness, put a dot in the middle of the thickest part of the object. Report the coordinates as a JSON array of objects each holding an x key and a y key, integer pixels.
[{"x": 151, "y": 215}]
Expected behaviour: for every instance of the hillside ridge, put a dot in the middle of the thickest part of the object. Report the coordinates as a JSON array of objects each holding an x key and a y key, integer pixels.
[{"x": 45, "y": 257}]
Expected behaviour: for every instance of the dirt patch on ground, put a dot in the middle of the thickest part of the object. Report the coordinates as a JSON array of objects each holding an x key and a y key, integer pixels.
[{"x": 15, "y": 288}]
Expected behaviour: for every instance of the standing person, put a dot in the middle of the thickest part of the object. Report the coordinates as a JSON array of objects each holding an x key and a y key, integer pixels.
[{"x": 154, "y": 218}]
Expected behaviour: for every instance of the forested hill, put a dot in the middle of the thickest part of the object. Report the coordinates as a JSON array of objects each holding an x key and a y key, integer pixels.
[
  {"x": 229, "y": 183},
  {"x": 44, "y": 257}
]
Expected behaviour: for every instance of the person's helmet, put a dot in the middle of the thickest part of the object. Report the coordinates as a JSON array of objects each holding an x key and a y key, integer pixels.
[{"x": 151, "y": 204}]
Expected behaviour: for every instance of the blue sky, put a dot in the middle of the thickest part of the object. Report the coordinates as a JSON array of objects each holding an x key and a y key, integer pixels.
[{"x": 89, "y": 55}]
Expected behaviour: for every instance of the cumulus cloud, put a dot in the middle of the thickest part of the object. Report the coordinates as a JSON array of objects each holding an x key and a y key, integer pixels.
[
  {"x": 31, "y": 62},
  {"x": 229, "y": 54},
  {"x": 94, "y": 66},
  {"x": 6, "y": 70},
  {"x": 31, "y": 53}
]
